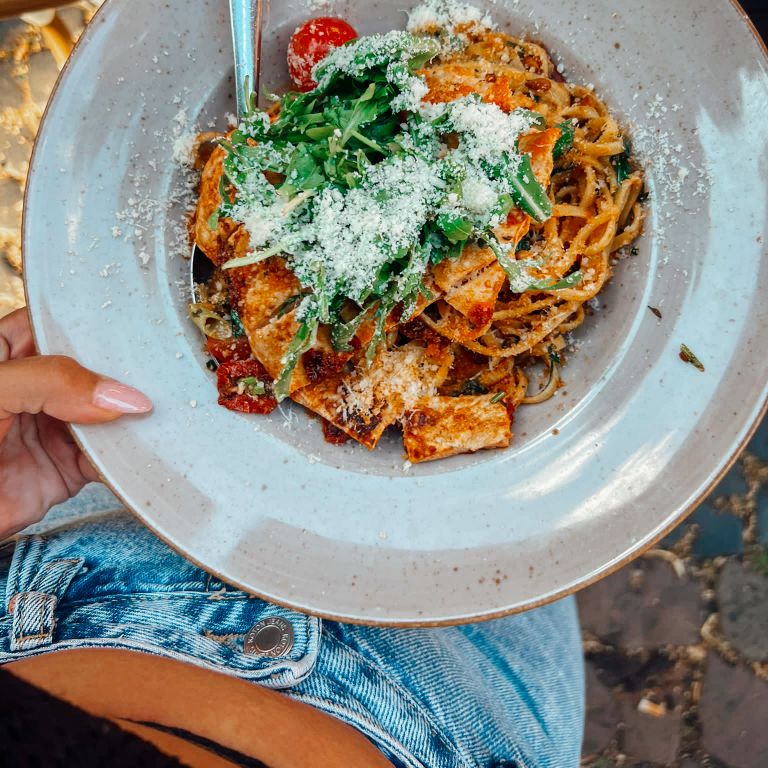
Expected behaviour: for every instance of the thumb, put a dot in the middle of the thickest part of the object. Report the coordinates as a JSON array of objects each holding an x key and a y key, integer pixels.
[{"x": 64, "y": 390}]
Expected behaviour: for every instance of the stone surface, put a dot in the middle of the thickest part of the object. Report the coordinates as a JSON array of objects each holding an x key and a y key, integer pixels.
[
  {"x": 643, "y": 606},
  {"x": 602, "y": 714},
  {"x": 742, "y": 595},
  {"x": 719, "y": 532},
  {"x": 762, "y": 516},
  {"x": 42, "y": 74},
  {"x": 734, "y": 715},
  {"x": 647, "y": 738}
]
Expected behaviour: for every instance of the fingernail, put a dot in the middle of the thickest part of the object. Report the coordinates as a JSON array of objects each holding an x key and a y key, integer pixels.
[{"x": 114, "y": 396}]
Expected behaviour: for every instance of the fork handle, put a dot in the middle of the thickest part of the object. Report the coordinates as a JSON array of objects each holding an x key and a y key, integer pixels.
[{"x": 247, "y": 19}]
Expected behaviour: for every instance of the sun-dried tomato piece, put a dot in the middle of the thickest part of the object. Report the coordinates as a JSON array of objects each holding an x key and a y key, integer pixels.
[
  {"x": 245, "y": 386},
  {"x": 224, "y": 350}
]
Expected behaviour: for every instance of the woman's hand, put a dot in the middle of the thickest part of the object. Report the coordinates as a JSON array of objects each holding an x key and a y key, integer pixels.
[{"x": 40, "y": 464}]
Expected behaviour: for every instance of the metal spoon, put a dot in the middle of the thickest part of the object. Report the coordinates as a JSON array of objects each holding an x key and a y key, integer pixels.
[{"x": 247, "y": 19}]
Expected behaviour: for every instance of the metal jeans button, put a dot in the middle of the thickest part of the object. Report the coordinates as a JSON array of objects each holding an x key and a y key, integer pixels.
[{"x": 272, "y": 637}]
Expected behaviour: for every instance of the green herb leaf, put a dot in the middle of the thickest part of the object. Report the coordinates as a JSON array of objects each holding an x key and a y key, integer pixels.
[
  {"x": 455, "y": 228},
  {"x": 253, "y": 386},
  {"x": 237, "y": 326},
  {"x": 381, "y": 315},
  {"x": 565, "y": 142},
  {"x": 254, "y": 258},
  {"x": 537, "y": 119},
  {"x": 553, "y": 358},
  {"x": 622, "y": 163},
  {"x": 524, "y": 244},
  {"x": 472, "y": 387},
  {"x": 289, "y": 304},
  {"x": 343, "y": 333},
  {"x": 303, "y": 172},
  {"x": 528, "y": 194},
  {"x": 569, "y": 281},
  {"x": 498, "y": 397},
  {"x": 302, "y": 342},
  {"x": 320, "y": 132},
  {"x": 687, "y": 356},
  {"x": 519, "y": 272}
]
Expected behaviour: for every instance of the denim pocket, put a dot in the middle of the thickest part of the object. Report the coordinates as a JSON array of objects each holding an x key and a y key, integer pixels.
[{"x": 108, "y": 582}]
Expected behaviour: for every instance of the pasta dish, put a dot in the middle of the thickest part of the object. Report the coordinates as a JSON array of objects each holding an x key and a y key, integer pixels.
[{"x": 408, "y": 238}]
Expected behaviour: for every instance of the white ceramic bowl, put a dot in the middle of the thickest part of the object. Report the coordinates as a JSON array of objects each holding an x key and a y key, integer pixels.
[{"x": 264, "y": 502}]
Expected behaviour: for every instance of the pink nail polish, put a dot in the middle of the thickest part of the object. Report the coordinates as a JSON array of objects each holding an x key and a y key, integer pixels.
[{"x": 114, "y": 396}]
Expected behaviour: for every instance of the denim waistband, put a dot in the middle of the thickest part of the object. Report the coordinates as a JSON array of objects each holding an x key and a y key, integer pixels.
[
  {"x": 507, "y": 692},
  {"x": 106, "y": 583}
]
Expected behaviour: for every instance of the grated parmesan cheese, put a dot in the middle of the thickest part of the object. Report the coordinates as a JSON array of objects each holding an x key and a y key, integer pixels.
[
  {"x": 355, "y": 234},
  {"x": 479, "y": 196},
  {"x": 394, "y": 50},
  {"x": 184, "y": 139},
  {"x": 447, "y": 14},
  {"x": 398, "y": 378}
]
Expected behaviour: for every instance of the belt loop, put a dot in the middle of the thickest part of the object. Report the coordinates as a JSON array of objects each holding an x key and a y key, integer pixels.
[
  {"x": 34, "y": 609},
  {"x": 27, "y": 556}
]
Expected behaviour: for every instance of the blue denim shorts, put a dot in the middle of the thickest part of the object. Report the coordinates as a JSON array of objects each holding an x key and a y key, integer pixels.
[{"x": 506, "y": 692}]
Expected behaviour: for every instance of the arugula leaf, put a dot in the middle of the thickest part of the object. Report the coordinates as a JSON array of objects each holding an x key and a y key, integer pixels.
[
  {"x": 303, "y": 172},
  {"x": 381, "y": 314},
  {"x": 320, "y": 132},
  {"x": 622, "y": 163},
  {"x": 430, "y": 49},
  {"x": 537, "y": 119},
  {"x": 519, "y": 273},
  {"x": 567, "y": 282},
  {"x": 302, "y": 342},
  {"x": 553, "y": 358},
  {"x": 455, "y": 228},
  {"x": 528, "y": 194},
  {"x": 565, "y": 142},
  {"x": 349, "y": 116},
  {"x": 343, "y": 333},
  {"x": 288, "y": 304},
  {"x": 255, "y": 257}
]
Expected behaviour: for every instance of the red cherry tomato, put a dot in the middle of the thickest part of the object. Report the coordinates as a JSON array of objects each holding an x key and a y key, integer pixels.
[{"x": 311, "y": 43}]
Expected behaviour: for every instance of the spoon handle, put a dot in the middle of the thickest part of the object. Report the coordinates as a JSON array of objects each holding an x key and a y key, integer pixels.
[{"x": 247, "y": 19}]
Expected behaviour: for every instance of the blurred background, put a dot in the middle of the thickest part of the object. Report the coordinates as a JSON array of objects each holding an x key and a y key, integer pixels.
[{"x": 676, "y": 644}]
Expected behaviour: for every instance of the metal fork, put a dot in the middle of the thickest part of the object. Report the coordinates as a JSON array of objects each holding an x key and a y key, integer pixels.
[{"x": 247, "y": 19}]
